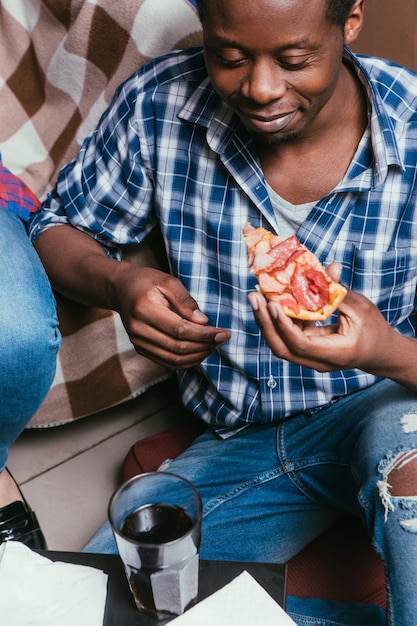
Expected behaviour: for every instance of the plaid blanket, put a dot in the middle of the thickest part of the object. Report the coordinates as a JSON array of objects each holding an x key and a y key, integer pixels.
[{"x": 60, "y": 62}]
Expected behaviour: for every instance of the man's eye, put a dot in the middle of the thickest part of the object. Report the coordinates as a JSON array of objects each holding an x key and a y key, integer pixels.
[
  {"x": 230, "y": 62},
  {"x": 287, "y": 65}
]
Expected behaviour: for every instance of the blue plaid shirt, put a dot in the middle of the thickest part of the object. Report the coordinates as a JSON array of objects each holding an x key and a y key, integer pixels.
[{"x": 170, "y": 151}]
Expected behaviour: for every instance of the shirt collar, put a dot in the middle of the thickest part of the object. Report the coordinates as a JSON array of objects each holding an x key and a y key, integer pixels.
[
  {"x": 383, "y": 132},
  {"x": 206, "y": 108}
]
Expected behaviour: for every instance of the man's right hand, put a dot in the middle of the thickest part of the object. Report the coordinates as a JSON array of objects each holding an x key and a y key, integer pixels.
[{"x": 163, "y": 321}]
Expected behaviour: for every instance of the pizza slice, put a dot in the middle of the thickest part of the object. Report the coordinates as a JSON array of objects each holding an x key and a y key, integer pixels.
[{"x": 289, "y": 273}]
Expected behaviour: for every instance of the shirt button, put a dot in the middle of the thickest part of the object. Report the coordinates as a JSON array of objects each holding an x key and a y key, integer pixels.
[{"x": 272, "y": 383}]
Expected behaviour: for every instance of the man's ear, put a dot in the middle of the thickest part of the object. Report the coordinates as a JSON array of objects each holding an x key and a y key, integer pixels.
[{"x": 354, "y": 22}]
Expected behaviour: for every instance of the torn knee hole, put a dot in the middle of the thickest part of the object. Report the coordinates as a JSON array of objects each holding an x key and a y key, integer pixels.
[
  {"x": 402, "y": 476},
  {"x": 399, "y": 479}
]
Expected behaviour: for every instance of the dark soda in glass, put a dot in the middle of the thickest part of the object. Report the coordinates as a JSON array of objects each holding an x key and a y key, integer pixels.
[
  {"x": 166, "y": 578},
  {"x": 157, "y": 523}
]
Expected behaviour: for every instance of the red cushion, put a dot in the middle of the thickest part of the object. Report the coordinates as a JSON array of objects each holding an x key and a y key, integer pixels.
[
  {"x": 338, "y": 565},
  {"x": 146, "y": 455}
]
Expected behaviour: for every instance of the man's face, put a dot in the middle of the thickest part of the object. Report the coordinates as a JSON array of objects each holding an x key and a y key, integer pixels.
[{"x": 275, "y": 62}]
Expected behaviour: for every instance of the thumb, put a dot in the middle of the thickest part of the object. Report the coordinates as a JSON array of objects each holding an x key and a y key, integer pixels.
[
  {"x": 186, "y": 307},
  {"x": 334, "y": 270}
]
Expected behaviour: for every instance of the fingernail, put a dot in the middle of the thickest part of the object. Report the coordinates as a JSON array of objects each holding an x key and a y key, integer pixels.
[
  {"x": 199, "y": 315},
  {"x": 220, "y": 337},
  {"x": 253, "y": 301},
  {"x": 272, "y": 310}
]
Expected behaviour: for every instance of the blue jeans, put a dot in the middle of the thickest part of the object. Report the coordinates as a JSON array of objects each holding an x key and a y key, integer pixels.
[
  {"x": 270, "y": 490},
  {"x": 29, "y": 336}
]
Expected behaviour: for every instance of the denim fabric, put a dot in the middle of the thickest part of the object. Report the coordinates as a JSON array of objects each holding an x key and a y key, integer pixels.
[
  {"x": 29, "y": 337},
  {"x": 313, "y": 612},
  {"x": 270, "y": 490}
]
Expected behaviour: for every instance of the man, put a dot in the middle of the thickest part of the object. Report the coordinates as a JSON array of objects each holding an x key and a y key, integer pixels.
[{"x": 278, "y": 124}]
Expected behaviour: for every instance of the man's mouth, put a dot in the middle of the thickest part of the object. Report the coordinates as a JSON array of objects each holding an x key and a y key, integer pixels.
[{"x": 269, "y": 124}]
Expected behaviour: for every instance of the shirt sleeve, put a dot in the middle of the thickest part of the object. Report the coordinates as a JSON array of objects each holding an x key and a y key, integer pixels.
[{"x": 107, "y": 191}]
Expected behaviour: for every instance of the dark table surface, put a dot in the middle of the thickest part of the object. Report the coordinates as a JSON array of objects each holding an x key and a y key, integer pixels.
[{"x": 121, "y": 609}]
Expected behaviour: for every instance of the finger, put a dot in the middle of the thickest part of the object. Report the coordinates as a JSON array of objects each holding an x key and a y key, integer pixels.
[
  {"x": 173, "y": 360},
  {"x": 287, "y": 337},
  {"x": 177, "y": 314},
  {"x": 355, "y": 307},
  {"x": 166, "y": 291},
  {"x": 184, "y": 304},
  {"x": 196, "y": 336},
  {"x": 175, "y": 342},
  {"x": 334, "y": 270},
  {"x": 305, "y": 345},
  {"x": 164, "y": 343},
  {"x": 265, "y": 318}
]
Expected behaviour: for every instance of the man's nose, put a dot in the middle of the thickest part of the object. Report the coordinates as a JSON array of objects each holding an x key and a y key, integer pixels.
[{"x": 264, "y": 81}]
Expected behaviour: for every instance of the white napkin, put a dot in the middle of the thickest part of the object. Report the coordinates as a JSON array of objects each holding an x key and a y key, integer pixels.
[
  {"x": 35, "y": 591},
  {"x": 243, "y": 602}
]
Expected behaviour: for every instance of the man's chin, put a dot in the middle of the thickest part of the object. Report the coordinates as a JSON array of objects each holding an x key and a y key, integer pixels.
[{"x": 276, "y": 140}]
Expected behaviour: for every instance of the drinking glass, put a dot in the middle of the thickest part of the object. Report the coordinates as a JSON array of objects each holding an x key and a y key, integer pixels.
[{"x": 156, "y": 522}]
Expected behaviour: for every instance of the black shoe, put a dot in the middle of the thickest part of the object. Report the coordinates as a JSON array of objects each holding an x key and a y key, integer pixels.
[{"x": 19, "y": 523}]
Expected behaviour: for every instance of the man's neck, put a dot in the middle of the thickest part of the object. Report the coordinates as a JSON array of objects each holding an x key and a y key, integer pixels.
[{"x": 309, "y": 167}]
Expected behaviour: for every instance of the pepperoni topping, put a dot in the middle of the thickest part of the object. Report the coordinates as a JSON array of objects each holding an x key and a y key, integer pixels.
[
  {"x": 290, "y": 304},
  {"x": 283, "y": 252},
  {"x": 310, "y": 287}
]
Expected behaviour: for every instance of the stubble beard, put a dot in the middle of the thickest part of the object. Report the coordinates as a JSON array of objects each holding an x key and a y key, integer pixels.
[{"x": 276, "y": 141}]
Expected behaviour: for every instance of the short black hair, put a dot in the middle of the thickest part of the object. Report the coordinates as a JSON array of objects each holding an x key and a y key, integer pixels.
[{"x": 337, "y": 10}]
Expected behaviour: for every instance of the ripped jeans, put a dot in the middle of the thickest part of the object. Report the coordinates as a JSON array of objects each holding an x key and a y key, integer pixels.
[{"x": 270, "y": 490}]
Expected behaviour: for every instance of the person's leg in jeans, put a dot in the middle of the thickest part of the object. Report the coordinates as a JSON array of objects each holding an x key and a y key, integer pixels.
[
  {"x": 385, "y": 468},
  {"x": 29, "y": 339},
  {"x": 255, "y": 511},
  {"x": 268, "y": 491}
]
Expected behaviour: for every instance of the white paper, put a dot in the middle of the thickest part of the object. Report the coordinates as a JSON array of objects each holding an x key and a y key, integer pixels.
[
  {"x": 243, "y": 602},
  {"x": 35, "y": 591}
]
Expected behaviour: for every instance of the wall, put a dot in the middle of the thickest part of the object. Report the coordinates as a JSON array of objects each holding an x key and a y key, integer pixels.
[{"x": 390, "y": 31}]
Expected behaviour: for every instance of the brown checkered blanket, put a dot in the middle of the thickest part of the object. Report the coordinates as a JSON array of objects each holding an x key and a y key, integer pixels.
[{"x": 60, "y": 61}]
